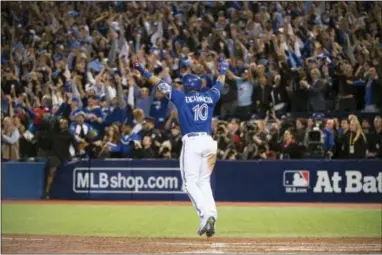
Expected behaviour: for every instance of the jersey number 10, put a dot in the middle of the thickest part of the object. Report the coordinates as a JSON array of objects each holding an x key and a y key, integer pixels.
[{"x": 200, "y": 112}]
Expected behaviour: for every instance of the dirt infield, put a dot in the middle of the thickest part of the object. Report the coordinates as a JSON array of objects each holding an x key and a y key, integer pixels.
[
  {"x": 64, "y": 244},
  {"x": 187, "y": 203}
]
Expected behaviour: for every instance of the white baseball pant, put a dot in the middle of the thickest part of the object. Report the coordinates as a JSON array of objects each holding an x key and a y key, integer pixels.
[{"x": 197, "y": 161}]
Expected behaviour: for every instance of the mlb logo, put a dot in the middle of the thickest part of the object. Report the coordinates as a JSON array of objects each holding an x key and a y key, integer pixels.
[{"x": 296, "y": 178}]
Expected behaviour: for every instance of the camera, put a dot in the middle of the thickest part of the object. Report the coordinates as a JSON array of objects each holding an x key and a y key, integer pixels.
[
  {"x": 165, "y": 150},
  {"x": 220, "y": 131},
  {"x": 315, "y": 144},
  {"x": 251, "y": 128}
]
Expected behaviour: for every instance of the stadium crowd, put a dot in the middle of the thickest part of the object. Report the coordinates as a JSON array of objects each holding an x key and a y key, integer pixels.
[{"x": 68, "y": 88}]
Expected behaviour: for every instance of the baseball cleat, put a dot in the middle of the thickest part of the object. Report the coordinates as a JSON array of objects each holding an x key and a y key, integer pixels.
[
  {"x": 211, "y": 227},
  {"x": 203, "y": 227}
]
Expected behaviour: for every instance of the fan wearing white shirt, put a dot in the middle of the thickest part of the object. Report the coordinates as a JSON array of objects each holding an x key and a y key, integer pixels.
[{"x": 80, "y": 130}]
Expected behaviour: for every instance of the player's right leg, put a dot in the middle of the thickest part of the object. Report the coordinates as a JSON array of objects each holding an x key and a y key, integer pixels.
[
  {"x": 208, "y": 164},
  {"x": 204, "y": 183},
  {"x": 190, "y": 163}
]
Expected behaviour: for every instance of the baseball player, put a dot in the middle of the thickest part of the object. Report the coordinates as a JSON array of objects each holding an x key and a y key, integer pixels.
[{"x": 198, "y": 155}]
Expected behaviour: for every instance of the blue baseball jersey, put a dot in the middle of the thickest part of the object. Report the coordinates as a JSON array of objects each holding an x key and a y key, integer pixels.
[
  {"x": 195, "y": 109},
  {"x": 159, "y": 111},
  {"x": 97, "y": 111}
]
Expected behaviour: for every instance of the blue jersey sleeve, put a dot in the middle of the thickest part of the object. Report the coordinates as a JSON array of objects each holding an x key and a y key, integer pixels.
[
  {"x": 176, "y": 96},
  {"x": 214, "y": 92}
]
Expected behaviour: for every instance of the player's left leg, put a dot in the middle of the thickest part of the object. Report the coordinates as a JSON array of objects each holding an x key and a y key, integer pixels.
[
  {"x": 190, "y": 165},
  {"x": 208, "y": 164}
]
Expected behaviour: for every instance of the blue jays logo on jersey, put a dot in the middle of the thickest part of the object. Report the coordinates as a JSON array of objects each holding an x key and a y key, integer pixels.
[{"x": 157, "y": 104}]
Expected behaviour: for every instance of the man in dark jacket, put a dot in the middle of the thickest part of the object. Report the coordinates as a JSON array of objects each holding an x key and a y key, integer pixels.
[
  {"x": 373, "y": 91},
  {"x": 376, "y": 139},
  {"x": 279, "y": 96},
  {"x": 144, "y": 149},
  {"x": 62, "y": 141},
  {"x": 343, "y": 135},
  {"x": 316, "y": 91},
  {"x": 263, "y": 96}
]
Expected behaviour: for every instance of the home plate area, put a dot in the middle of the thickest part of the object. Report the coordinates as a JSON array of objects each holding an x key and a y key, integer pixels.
[{"x": 70, "y": 244}]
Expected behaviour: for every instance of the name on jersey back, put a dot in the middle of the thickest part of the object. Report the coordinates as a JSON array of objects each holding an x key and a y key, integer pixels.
[{"x": 199, "y": 99}]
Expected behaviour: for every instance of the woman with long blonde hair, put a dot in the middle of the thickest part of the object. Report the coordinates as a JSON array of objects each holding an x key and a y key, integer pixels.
[
  {"x": 111, "y": 138},
  {"x": 356, "y": 144}
]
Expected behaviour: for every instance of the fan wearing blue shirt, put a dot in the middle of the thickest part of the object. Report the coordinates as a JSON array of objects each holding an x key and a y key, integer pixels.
[
  {"x": 159, "y": 109},
  {"x": 94, "y": 115},
  {"x": 198, "y": 156},
  {"x": 119, "y": 111}
]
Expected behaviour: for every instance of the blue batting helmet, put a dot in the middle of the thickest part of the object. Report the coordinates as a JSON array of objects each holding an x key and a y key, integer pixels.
[{"x": 192, "y": 82}]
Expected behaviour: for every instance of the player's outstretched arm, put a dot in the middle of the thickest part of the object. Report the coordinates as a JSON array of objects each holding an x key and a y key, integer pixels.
[
  {"x": 223, "y": 68},
  {"x": 154, "y": 80}
]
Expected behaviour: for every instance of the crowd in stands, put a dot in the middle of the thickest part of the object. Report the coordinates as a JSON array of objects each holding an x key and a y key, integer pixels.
[{"x": 68, "y": 89}]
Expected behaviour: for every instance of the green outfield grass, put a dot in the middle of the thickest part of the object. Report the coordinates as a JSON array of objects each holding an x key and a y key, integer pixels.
[{"x": 182, "y": 221}]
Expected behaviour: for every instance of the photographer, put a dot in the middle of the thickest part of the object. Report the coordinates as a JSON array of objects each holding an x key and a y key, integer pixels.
[
  {"x": 290, "y": 150},
  {"x": 254, "y": 140},
  {"x": 274, "y": 138},
  {"x": 165, "y": 150},
  {"x": 223, "y": 138},
  {"x": 175, "y": 139},
  {"x": 231, "y": 153}
]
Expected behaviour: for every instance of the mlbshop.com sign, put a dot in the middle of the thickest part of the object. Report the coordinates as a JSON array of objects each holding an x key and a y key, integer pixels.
[
  {"x": 127, "y": 180},
  {"x": 264, "y": 181}
]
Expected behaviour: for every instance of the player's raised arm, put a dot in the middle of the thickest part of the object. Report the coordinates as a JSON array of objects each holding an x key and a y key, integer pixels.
[
  {"x": 223, "y": 67},
  {"x": 154, "y": 80}
]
